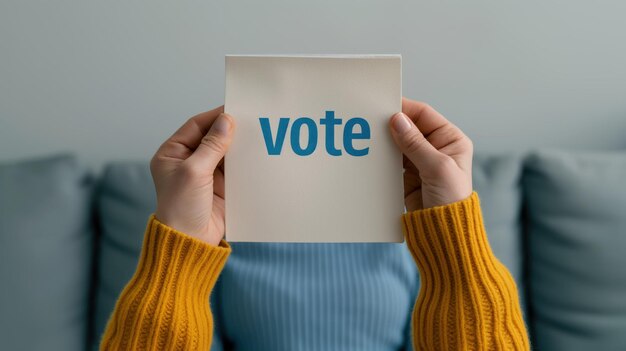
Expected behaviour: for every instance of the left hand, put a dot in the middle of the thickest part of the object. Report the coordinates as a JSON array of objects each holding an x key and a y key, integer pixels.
[
  {"x": 437, "y": 156},
  {"x": 188, "y": 176}
]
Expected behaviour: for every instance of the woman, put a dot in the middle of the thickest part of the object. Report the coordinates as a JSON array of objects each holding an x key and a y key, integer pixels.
[{"x": 467, "y": 299}]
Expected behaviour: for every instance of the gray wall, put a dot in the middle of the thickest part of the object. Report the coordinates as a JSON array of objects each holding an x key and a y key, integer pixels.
[{"x": 111, "y": 79}]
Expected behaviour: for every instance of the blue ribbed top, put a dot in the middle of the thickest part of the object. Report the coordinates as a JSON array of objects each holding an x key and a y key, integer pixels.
[{"x": 293, "y": 296}]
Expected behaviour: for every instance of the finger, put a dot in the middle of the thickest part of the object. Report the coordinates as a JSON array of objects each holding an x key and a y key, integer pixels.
[
  {"x": 187, "y": 138},
  {"x": 412, "y": 182},
  {"x": 412, "y": 143},
  {"x": 218, "y": 183},
  {"x": 436, "y": 128},
  {"x": 426, "y": 118},
  {"x": 408, "y": 165},
  {"x": 214, "y": 144},
  {"x": 220, "y": 165}
]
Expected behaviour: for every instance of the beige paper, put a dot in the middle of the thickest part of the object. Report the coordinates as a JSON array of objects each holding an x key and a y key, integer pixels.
[{"x": 318, "y": 197}]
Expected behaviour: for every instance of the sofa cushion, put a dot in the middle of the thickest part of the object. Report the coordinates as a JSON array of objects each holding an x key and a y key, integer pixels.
[
  {"x": 576, "y": 205},
  {"x": 45, "y": 254}
]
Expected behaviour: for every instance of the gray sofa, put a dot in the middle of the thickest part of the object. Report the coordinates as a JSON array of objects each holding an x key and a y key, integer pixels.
[{"x": 69, "y": 241}]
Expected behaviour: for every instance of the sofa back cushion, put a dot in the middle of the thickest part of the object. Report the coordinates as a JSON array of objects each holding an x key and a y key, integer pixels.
[
  {"x": 576, "y": 205},
  {"x": 45, "y": 255}
]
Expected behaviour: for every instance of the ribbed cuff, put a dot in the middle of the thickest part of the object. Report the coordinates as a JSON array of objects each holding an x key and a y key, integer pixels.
[
  {"x": 165, "y": 305},
  {"x": 182, "y": 258},
  {"x": 453, "y": 234},
  {"x": 468, "y": 299}
]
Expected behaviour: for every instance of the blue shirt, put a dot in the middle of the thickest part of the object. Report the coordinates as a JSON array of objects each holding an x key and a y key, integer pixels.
[{"x": 329, "y": 296}]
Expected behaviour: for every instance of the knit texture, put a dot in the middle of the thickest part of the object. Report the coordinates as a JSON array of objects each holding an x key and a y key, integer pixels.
[
  {"x": 315, "y": 296},
  {"x": 468, "y": 299},
  {"x": 165, "y": 304}
]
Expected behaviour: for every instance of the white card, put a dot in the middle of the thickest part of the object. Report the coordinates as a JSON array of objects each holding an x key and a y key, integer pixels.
[{"x": 302, "y": 167}]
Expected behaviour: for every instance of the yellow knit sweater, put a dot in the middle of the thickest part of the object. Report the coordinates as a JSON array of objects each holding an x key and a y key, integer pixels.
[{"x": 467, "y": 300}]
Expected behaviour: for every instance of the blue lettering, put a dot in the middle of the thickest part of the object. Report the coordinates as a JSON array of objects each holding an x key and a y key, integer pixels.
[
  {"x": 274, "y": 147},
  {"x": 330, "y": 123},
  {"x": 349, "y": 135},
  {"x": 295, "y": 136}
]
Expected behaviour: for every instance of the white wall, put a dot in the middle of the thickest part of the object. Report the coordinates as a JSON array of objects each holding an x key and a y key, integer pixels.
[{"x": 111, "y": 79}]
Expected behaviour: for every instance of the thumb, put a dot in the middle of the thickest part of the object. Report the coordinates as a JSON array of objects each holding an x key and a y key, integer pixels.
[
  {"x": 214, "y": 144},
  {"x": 412, "y": 143}
]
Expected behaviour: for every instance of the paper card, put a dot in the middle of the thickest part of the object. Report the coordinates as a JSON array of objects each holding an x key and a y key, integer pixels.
[{"x": 312, "y": 159}]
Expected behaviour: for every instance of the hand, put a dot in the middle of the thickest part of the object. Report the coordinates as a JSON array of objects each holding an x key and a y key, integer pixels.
[
  {"x": 188, "y": 176},
  {"x": 437, "y": 156}
]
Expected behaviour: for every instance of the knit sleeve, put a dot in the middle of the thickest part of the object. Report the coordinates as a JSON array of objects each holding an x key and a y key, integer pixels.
[
  {"x": 468, "y": 299},
  {"x": 165, "y": 305}
]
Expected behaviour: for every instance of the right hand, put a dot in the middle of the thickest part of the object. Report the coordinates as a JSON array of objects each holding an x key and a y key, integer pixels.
[
  {"x": 437, "y": 156},
  {"x": 188, "y": 176}
]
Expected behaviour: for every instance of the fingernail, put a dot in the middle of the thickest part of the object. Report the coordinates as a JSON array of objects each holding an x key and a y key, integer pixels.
[
  {"x": 401, "y": 123},
  {"x": 222, "y": 125}
]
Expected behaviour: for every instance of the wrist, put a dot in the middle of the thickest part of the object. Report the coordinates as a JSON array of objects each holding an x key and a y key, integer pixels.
[
  {"x": 186, "y": 227},
  {"x": 446, "y": 194}
]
